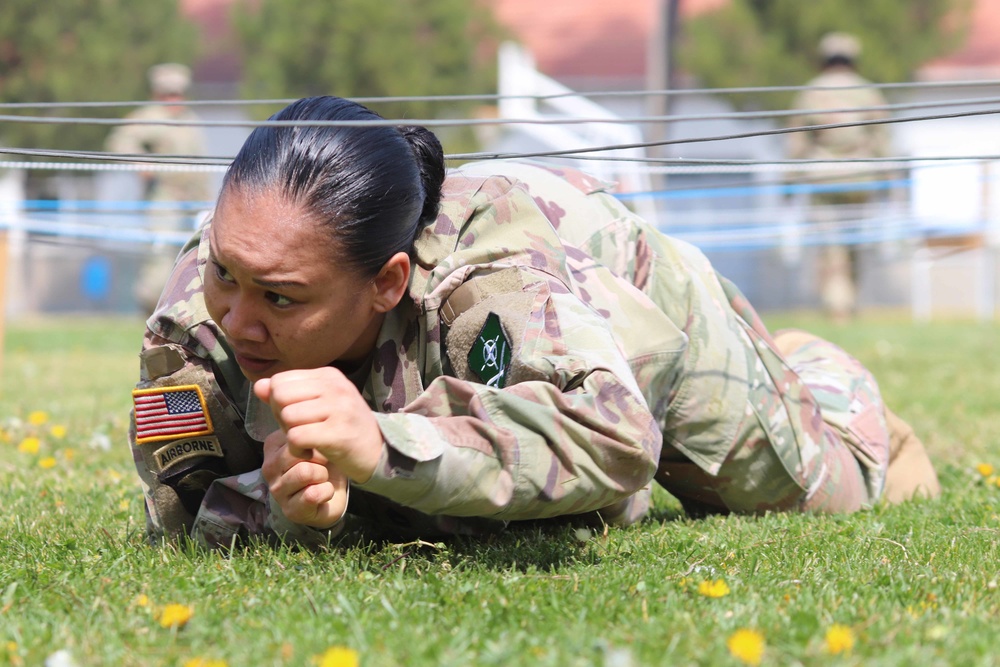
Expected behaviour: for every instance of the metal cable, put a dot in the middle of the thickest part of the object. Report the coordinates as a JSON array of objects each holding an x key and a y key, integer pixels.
[{"x": 674, "y": 92}]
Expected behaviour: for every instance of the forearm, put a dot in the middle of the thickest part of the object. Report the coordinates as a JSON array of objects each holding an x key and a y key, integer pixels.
[{"x": 526, "y": 452}]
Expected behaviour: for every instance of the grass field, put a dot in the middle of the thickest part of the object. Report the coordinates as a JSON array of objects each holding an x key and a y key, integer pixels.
[{"x": 908, "y": 585}]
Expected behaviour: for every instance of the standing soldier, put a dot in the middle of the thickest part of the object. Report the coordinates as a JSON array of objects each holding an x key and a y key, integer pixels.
[
  {"x": 838, "y": 95},
  {"x": 168, "y": 83}
]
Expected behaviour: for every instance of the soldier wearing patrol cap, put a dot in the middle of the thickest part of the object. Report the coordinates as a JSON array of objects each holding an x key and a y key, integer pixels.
[
  {"x": 840, "y": 95},
  {"x": 168, "y": 84},
  {"x": 354, "y": 332}
]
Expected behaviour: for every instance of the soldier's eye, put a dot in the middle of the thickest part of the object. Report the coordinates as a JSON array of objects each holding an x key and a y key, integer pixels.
[
  {"x": 222, "y": 273},
  {"x": 279, "y": 300}
]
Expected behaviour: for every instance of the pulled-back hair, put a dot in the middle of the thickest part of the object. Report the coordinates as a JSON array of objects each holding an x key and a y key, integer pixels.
[{"x": 374, "y": 187}]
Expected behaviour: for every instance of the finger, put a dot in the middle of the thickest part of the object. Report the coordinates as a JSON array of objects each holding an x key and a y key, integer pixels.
[
  {"x": 310, "y": 411},
  {"x": 300, "y": 476},
  {"x": 301, "y": 385},
  {"x": 318, "y": 506},
  {"x": 275, "y": 453},
  {"x": 262, "y": 390},
  {"x": 314, "y": 436}
]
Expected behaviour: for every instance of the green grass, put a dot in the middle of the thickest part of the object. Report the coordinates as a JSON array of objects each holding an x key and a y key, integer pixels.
[{"x": 917, "y": 584}]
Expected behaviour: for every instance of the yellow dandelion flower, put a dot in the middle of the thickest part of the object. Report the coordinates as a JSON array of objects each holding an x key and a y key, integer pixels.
[
  {"x": 747, "y": 646},
  {"x": 57, "y": 431},
  {"x": 997, "y": 481},
  {"x": 337, "y": 656},
  {"x": 142, "y": 600},
  {"x": 839, "y": 639},
  {"x": 29, "y": 445},
  {"x": 985, "y": 469},
  {"x": 69, "y": 454},
  {"x": 47, "y": 462},
  {"x": 713, "y": 589},
  {"x": 38, "y": 417},
  {"x": 11, "y": 647},
  {"x": 176, "y": 615},
  {"x": 123, "y": 505},
  {"x": 205, "y": 662}
]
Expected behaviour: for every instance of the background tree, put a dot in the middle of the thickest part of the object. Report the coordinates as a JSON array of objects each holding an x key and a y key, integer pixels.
[
  {"x": 362, "y": 48},
  {"x": 774, "y": 42},
  {"x": 83, "y": 51}
]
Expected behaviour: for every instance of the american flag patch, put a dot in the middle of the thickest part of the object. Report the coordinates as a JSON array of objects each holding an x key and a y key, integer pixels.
[{"x": 168, "y": 413}]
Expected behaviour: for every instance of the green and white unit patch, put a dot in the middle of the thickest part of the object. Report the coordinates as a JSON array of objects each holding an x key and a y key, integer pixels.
[{"x": 490, "y": 355}]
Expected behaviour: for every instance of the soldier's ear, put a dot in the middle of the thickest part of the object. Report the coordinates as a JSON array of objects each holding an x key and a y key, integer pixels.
[{"x": 391, "y": 282}]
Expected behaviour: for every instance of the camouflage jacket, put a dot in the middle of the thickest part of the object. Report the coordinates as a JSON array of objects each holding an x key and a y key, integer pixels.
[
  {"x": 165, "y": 186},
  {"x": 830, "y": 91},
  {"x": 552, "y": 342}
]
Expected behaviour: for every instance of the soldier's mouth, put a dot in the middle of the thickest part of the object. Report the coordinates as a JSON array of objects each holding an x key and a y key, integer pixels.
[{"x": 254, "y": 365}]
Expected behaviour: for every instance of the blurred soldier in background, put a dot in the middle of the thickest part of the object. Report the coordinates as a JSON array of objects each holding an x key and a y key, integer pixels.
[
  {"x": 168, "y": 83},
  {"x": 830, "y": 91}
]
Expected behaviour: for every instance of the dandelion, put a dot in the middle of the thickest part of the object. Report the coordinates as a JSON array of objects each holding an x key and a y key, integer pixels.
[
  {"x": 38, "y": 417},
  {"x": 175, "y": 615},
  {"x": 57, "y": 431},
  {"x": 123, "y": 505},
  {"x": 142, "y": 600},
  {"x": 713, "y": 589},
  {"x": 337, "y": 656},
  {"x": 205, "y": 662},
  {"x": 68, "y": 454},
  {"x": 47, "y": 462},
  {"x": 29, "y": 445},
  {"x": 985, "y": 469},
  {"x": 839, "y": 639},
  {"x": 747, "y": 646},
  {"x": 100, "y": 441}
]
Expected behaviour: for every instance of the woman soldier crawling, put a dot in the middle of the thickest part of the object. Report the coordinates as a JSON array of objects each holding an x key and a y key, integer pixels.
[{"x": 355, "y": 332}]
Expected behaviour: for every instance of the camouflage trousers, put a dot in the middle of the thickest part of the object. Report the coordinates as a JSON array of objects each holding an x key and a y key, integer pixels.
[
  {"x": 849, "y": 467},
  {"x": 838, "y": 263}
]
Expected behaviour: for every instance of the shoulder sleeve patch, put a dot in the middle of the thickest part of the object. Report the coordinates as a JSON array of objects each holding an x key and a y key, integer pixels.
[
  {"x": 490, "y": 354},
  {"x": 169, "y": 413}
]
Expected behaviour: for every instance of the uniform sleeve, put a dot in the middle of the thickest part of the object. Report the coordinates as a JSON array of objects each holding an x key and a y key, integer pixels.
[
  {"x": 542, "y": 416},
  {"x": 199, "y": 470}
]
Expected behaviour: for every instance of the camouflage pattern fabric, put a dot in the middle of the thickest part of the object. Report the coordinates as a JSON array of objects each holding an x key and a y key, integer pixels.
[
  {"x": 555, "y": 355},
  {"x": 833, "y": 210},
  {"x": 861, "y": 141},
  {"x": 165, "y": 186}
]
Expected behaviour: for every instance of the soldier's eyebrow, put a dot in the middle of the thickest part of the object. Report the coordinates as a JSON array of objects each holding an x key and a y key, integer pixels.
[
  {"x": 279, "y": 284},
  {"x": 269, "y": 284}
]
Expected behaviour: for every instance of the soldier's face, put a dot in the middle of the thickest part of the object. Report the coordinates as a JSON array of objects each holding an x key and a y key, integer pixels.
[{"x": 272, "y": 286}]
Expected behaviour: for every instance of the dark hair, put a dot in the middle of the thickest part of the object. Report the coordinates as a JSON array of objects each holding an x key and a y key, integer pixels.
[{"x": 375, "y": 187}]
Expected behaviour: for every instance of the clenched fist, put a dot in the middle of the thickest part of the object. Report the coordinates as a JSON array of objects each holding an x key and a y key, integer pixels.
[{"x": 328, "y": 434}]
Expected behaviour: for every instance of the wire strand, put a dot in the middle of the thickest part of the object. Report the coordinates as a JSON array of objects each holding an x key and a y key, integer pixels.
[
  {"x": 462, "y": 122},
  {"x": 673, "y": 92}
]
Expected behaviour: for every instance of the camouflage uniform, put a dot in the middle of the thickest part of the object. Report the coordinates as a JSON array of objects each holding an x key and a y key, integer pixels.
[
  {"x": 838, "y": 273},
  {"x": 555, "y": 354},
  {"x": 163, "y": 186}
]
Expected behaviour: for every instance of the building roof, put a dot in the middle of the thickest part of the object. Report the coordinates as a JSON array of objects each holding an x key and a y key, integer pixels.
[
  {"x": 979, "y": 56},
  {"x": 590, "y": 39}
]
